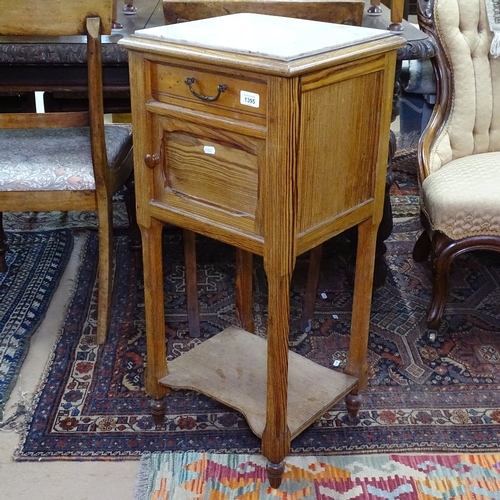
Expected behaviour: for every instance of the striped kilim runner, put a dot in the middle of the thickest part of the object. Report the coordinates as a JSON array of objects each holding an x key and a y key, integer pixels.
[
  {"x": 35, "y": 263},
  {"x": 210, "y": 476}
]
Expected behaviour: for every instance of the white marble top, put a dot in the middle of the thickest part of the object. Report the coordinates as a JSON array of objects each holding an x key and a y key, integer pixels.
[{"x": 272, "y": 37}]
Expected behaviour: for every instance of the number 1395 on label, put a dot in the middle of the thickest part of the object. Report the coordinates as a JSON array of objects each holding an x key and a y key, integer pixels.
[{"x": 249, "y": 99}]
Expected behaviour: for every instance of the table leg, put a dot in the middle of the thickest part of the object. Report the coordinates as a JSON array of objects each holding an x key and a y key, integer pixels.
[
  {"x": 357, "y": 364},
  {"x": 115, "y": 24},
  {"x": 397, "y": 13},
  {"x": 156, "y": 366}
]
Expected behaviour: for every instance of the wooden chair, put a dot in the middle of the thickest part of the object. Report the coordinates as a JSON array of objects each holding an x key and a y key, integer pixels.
[
  {"x": 334, "y": 11},
  {"x": 66, "y": 161},
  {"x": 459, "y": 151}
]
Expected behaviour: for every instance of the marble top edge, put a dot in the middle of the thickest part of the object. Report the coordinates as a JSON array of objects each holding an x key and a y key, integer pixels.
[{"x": 263, "y": 35}]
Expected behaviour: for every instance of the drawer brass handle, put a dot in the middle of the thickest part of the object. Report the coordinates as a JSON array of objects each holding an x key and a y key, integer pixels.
[
  {"x": 152, "y": 160},
  {"x": 220, "y": 88}
]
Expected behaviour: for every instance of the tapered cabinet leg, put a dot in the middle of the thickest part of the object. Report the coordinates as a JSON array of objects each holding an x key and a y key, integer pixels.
[
  {"x": 311, "y": 288},
  {"x": 244, "y": 289},
  {"x": 276, "y": 436},
  {"x": 189, "y": 244},
  {"x": 156, "y": 362},
  {"x": 357, "y": 364}
]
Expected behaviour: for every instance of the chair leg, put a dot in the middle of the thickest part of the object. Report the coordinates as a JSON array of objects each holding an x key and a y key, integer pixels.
[
  {"x": 133, "y": 228},
  {"x": 105, "y": 269},
  {"x": 422, "y": 248},
  {"x": 3, "y": 246},
  {"x": 311, "y": 288},
  {"x": 443, "y": 252},
  {"x": 423, "y": 245},
  {"x": 189, "y": 243}
]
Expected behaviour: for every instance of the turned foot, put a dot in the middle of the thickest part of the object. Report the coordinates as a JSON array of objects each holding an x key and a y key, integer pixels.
[
  {"x": 158, "y": 408},
  {"x": 353, "y": 403},
  {"x": 396, "y": 27},
  {"x": 129, "y": 7},
  {"x": 275, "y": 473}
]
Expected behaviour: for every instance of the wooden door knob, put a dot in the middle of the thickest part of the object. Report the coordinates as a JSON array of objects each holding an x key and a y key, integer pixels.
[{"x": 152, "y": 160}]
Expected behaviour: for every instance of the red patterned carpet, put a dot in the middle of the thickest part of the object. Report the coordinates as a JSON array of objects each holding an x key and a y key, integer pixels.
[{"x": 426, "y": 397}]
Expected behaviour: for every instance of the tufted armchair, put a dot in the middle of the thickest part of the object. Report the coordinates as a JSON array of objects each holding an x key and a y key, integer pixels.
[
  {"x": 459, "y": 151},
  {"x": 66, "y": 161}
]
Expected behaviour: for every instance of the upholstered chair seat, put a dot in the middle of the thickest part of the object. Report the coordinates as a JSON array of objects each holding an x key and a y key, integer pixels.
[
  {"x": 54, "y": 159},
  {"x": 462, "y": 199}
]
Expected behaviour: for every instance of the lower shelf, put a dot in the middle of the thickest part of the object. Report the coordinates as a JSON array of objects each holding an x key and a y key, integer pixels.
[{"x": 231, "y": 367}]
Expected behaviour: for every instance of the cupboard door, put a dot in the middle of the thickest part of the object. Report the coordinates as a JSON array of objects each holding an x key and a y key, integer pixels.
[{"x": 207, "y": 171}]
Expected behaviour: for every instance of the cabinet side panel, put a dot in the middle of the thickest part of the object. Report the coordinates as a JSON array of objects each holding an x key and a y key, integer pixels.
[{"x": 338, "y": 149}]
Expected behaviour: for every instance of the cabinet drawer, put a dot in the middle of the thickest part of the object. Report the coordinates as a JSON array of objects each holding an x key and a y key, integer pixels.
[{"x": 240, "y": 95}]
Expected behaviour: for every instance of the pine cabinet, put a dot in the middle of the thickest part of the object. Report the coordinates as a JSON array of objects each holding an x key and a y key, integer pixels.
[{"x": 270, "y": 134}]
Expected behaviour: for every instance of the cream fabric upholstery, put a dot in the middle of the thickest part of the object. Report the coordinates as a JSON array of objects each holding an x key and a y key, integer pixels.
[
  {"x": 53, "y": 159},
  {"x": 463, "y": 197},
  {"x": 461, "y": 194}
]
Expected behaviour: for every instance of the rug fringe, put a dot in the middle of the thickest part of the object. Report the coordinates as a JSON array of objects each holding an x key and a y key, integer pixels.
[
  {"x": 11, "y": 423},
  {"x": 143, "y": 477}
]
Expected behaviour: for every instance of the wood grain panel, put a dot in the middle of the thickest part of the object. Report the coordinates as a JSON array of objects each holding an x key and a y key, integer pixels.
[
  {"x": 213, "y": 172},
  {"x": 337, "y": 149},
  {"x": 242, "y": 383}
]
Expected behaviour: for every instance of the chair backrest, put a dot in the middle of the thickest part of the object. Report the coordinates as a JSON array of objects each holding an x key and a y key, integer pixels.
[
  {"x": 59, "y": 18},
  {"x": 332, "y": 11},
  {"x": 466, "y": 118},
  {"x": 53, "y": 17}
]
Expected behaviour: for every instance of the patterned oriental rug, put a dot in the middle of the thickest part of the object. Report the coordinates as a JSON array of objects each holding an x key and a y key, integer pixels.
[
  {"x": 36, "y": 261},
  {"x": 176, "y": 476},
  {"x": 422, "y": 397}
]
